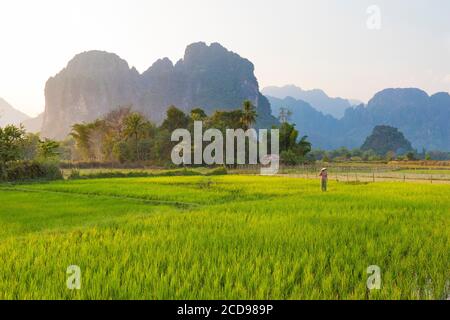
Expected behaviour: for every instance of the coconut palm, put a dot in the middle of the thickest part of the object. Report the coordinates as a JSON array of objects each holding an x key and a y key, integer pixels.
[
  {"x": 135, "y": 125},
  {"x": 248, "y": 115},
  {"x": 304, "y": 146}
]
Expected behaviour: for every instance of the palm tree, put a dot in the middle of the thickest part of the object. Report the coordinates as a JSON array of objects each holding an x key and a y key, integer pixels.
[
  {"x": 248, "y": 115},
  {"x": 81, "y": 133},
  {"x": 135, "y": 124},
  {"x": 304, "y": 145}
]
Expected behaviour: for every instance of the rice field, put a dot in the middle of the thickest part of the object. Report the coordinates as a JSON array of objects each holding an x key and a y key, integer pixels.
[{"x": 224, "y": 237}]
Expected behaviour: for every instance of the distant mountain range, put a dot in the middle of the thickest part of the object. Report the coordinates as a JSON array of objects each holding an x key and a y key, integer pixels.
[
  {"x": 96, "y": 82},
  {"x": 316, "y": 98},
  {"x": 9, "y": 115},
  {"x": 211, "y": 77},
  {"x": 423, "y": 119}
]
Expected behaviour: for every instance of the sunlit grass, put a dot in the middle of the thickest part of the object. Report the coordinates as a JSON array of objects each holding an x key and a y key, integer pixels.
[{"x": 226, "y": 237}]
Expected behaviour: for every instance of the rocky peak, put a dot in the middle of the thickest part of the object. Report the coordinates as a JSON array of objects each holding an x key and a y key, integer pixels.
[
  {"x": 161, "y": 65},
  {"x": 441, "y": 98},
  {"x": 92, "y": 84},
  {"x": 96, "y": 82},
  {"x": 95, "y": 62},
  {"x": 399, "y": 98}
]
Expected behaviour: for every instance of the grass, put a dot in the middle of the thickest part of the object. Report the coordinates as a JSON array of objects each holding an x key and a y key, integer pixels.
[
  {"x": 135, "y": 173},
  {"x": 223, "y": 237},
  {"x": 426, "y": 171}
]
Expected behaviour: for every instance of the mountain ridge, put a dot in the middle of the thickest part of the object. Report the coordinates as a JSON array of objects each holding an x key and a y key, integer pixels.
[
  {"x": 10, "y": 115},
  {"x": 421, "y": 117},
  {"x": 317, "y": 98},
  {"x": 96, "y": 82}
]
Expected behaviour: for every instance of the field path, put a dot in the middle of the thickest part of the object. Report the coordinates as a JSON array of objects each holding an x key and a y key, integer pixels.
[{"x": 178, "y": 204}]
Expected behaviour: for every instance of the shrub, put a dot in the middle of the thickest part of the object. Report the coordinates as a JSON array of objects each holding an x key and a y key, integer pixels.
[
  {"x": 3, "y": 176},
  {"x": 217, "y": 172},
  {"x": 51, "y": 170},
  {"x": 31, "y": 170},
  {"x": 74, "y": 174},
  {"x": 289, "y": 157},
  {"x": 121, "y": 151},
  {"x": 22, "y": 170},
  {"x": 177, "y": 173}
]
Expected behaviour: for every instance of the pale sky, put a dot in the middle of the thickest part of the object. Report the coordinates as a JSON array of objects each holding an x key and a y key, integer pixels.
[{"x": 314, "y": 44}]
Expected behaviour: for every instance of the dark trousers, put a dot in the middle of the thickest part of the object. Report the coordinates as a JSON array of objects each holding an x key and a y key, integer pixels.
[{"x": 324, "y": 184}]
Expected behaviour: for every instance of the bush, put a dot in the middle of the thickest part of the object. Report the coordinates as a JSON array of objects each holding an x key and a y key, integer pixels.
[
  {"x": 75, "y": 174},
  {"x": 291, "y": 158},
  {"x": 177, "y": 173},
  {"x": 51, "y": 171},
  {"x": 122, "y": 152},
  {"x": 217, "y": 172},
  {"x": 31, "y": 170},
  {"x": 3, "y": 176}
]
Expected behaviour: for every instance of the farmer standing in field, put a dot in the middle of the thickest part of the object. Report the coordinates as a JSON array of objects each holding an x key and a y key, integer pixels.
[{"x": 324, "y": 175}]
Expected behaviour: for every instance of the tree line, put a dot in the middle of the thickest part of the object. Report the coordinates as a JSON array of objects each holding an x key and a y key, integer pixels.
[
  {"x": 26, "y": 156},
  {"x": 125, "y": 135}
]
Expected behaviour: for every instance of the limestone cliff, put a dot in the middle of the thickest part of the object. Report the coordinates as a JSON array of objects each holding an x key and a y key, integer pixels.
[{"x": 95, "y": 82}]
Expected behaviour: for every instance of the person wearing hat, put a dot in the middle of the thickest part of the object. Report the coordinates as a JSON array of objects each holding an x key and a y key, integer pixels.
[{"x": 324, "y": 175}]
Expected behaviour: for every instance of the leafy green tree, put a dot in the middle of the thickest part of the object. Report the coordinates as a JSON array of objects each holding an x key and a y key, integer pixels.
[
  {"x": 356, "y": 152},
  {"x": 48, "y": 149},
  {"x": 113, "y": 130},
  {"x": 11, "y": 142},
  {"x": 293, "y": 150},
  {"x": 369, "y": 155},
  {"x": 30, "y": 146},
  {"x": 390, "y": 155},
  {"x": 223, "y": 120},
  {"x": 317, "y": 154},
  {"x": 198, "y": 114},
  {"x": 135, "y": 126},
  {"x": 289, "y": 157},
  {"x": 411, "y": 156},
  {"x": 341, "y": 154},
  {"x": 175, "y": 119},
  {"x": 304, "y": 146},
  {"x": 121, "y": 151},
  {"x": 288, "y": 136},
  {"x": 162, "y": 146},
  {"x": 145, "y": 147}
]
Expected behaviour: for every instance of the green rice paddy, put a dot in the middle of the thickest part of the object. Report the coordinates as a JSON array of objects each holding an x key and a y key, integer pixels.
[{"x": 224, "y": 237}]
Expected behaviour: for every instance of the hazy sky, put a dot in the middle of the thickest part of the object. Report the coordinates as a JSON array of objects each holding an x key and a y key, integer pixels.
[{"x": 313, "y": 44}]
